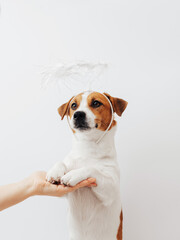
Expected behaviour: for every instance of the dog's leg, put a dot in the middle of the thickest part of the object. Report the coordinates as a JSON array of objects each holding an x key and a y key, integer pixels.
[
  {"x": 104, "y": 179},
  {"x": 120, "y": 229},
  {"x": 55, "y": 174},
  {"x": 75, "y": 176},
  {"x": 108, "y": 182}
]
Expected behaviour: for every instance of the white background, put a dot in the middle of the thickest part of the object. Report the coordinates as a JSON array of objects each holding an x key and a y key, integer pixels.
[{"x": 141, "y": 42}]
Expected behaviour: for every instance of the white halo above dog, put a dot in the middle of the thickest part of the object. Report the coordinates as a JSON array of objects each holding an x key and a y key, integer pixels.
[{"x": 73, "y": 76}]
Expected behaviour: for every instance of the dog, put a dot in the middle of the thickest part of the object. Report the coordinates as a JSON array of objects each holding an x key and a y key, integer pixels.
[{"x": 94, "y": 213}]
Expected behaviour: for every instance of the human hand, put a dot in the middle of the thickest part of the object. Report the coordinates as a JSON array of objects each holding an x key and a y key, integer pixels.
[{"x": 42, "y": 187}]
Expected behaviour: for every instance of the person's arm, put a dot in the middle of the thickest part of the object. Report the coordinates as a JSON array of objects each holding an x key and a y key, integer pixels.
[{"x": 35, "y": 184}]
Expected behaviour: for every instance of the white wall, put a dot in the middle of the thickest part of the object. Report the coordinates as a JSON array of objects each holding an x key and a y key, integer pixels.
[{"x": 140, "y": 40}]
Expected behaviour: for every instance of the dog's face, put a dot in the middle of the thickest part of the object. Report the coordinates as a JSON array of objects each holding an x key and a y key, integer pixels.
[{"x": 91, "y": 110}]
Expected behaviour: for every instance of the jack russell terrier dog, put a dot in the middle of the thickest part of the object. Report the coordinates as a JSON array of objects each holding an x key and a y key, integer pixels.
[{"x": 94, "y": 213}]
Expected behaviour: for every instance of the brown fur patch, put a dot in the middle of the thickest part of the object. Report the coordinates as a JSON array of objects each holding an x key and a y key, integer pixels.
[
  {"x": 62, "y": 110},
  {"x": 102, "y": 113},
  {"x": 119, "y": 235},
  {"x": 65, "y": 109},
  {"x": 119, "y": 105},
  {"x": 76, "y": 100}
]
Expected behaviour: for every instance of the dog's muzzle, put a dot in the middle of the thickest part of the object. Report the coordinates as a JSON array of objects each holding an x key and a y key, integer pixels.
[{"x": 80, "y": 121}]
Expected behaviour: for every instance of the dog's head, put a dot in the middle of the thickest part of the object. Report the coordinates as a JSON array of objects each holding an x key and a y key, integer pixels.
[{"x": 91, "y": 110}]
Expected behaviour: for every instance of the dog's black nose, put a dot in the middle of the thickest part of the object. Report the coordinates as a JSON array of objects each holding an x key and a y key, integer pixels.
[
  {"x": 80, "y": 121},
  {"x": 79, "y": 115}
]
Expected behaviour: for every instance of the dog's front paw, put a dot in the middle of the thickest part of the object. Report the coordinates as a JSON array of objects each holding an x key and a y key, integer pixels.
[
  {"x": 73, "y": 177},
  {"x": 55, "y": 174}
]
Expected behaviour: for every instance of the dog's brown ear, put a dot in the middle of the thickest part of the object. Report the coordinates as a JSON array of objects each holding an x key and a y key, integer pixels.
[
  {"x": 62, "y": 110},
  {"x": 119, "y": 105}
]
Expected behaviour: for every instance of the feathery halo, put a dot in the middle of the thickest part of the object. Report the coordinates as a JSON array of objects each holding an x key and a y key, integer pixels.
[{"x": 73, "y": 75}]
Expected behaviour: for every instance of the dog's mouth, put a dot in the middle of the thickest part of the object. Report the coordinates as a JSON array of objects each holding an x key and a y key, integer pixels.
[{"x": 81, "y": 125}]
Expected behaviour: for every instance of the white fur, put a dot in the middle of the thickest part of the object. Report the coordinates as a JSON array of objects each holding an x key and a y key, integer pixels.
[{"x": 94, "y": 213}]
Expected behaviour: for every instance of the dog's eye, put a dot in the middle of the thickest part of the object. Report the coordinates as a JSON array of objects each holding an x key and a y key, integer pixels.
[
  {"x": 74, "y": 106},
  {"x": 96, "y": 104}
]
